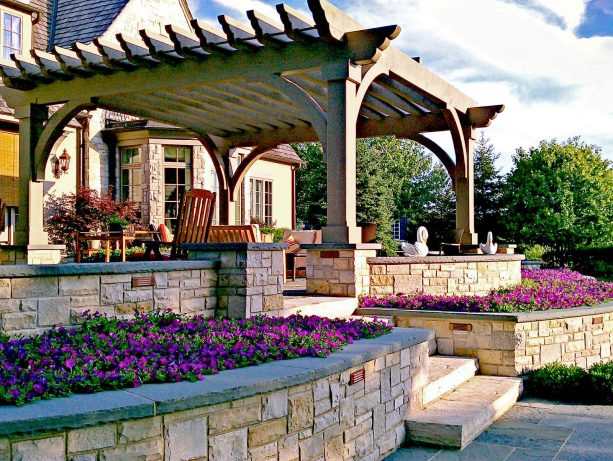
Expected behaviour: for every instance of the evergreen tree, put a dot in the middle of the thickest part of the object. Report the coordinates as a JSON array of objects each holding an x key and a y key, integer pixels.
[{"x": 488, "y": 189}]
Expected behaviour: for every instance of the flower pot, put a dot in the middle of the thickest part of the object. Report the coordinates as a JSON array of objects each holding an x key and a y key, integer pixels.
[
  {"x": 93, "y": 244},
  {"x": 115, "y": 227}
]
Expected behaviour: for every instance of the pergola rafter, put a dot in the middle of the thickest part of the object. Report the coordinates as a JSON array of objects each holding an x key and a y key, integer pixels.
[{"x": 259, "y": 84}]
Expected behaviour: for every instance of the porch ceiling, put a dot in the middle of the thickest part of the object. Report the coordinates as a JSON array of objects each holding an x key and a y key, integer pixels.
[{"x": 245, "y": 85}]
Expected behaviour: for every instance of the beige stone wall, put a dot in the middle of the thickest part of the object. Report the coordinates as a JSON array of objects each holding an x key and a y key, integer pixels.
[
  {"x": 508, "y": 347},
  {"x": 324, "y": 419},
  {"x": 338, "y": 272},
  {"x": 30, "y": 305},
  {"x": 400, "y": 275}
]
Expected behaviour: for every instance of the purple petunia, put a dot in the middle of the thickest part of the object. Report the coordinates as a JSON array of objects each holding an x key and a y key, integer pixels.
[
  {"x": 539, "y": 290},
  {"x": 109, "y": 353}
]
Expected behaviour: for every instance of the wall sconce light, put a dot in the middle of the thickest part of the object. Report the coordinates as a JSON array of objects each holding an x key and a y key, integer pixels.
[{"x": 60, "y": 165}]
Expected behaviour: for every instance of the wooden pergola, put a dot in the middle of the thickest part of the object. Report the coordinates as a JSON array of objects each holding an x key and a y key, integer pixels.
[{"x": 289, "y": 79}]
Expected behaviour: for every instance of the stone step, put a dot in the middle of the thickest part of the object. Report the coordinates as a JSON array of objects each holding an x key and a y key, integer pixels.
[
  {"x": 460, "y": 416},
  {"x": 445, "y": 373}
]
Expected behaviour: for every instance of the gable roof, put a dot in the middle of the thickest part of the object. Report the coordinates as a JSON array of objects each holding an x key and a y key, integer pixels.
[{"x": 82, "y": 21}]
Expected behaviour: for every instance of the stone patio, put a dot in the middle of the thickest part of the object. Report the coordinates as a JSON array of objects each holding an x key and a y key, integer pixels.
[{"x": 534, "y": 430}]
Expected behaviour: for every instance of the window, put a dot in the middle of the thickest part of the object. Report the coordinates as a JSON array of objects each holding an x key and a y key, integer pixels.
[
  {"x": 177, "y": 179},
  {"x": 132, "y": 174},
  {"x": 261, "y": 200},
  {"x": 11, "y": 39}
]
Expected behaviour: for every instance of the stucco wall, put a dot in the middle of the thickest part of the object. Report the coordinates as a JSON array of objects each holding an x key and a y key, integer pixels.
[{"x": 281, "y": 176}]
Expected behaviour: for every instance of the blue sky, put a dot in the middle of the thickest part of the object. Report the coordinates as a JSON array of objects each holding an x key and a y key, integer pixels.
[{"x": 549, "y": 61}]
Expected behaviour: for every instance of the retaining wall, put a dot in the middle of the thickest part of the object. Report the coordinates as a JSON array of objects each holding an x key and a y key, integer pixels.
[
  {"x": 509, "y": 344},
  {"x": 302, "y": 409},
  {"x": 34, "y": 298},
  {"x": 440, "y": 275}
]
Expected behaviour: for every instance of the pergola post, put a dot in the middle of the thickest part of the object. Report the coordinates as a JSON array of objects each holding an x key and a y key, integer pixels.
[
  {"x": 30, "y": 223},
  {"x": 465, "y": 192},
  {"x": 343, "y": 108}
]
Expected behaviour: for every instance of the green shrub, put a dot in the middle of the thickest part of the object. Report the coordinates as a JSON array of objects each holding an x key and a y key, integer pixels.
[
  {"x": 601, "y": 381},
  {"x": 572, "y": 383},
  {"x": 557, "y": 381},
  {"x": 534, "y": 252},
  {"x": 594, "y": 261},
  {"x": 277, "y": 232}
]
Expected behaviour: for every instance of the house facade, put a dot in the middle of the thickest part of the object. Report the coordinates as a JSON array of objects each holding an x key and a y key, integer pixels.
[{"x": 141, "y": 160}]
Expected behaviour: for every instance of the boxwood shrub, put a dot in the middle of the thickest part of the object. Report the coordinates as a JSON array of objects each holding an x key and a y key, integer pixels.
[{"x": 570, "y": 383}]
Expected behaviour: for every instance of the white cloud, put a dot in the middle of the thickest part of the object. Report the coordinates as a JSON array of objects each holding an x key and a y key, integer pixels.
[
  {"x": 552, "y": 83},
  {"x": 522, "y": 53}
]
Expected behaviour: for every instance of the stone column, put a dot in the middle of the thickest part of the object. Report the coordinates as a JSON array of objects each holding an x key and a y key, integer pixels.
[
  {"x": 250, "y": 276},
  {"x": 339, "y": 269},
  {"x": 465, "y": 189},
  {"x": 343, "y": 108}
]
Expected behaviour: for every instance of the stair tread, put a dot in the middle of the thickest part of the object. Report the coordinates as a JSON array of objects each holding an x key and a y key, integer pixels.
[
  {"x": 462, "y": 414},
  {"x": 442, "y": 365},
  {"x": 446, "y": 373}
]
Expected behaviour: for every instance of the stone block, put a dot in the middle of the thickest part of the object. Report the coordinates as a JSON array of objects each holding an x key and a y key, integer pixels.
[
  {"x": 54, "y": 311},
  {"x": 274, "y": 405},
  {"x": 233, "y": 419},
  {"x": 267, "y": 432},
  {"x": 300, "y": 412},
  {"x": 368, "y": 402},
  {"x": 312, "y": 447},
  {"x": 19, "y": 321},
  {"x": 39, "y": 287},
  {"x": 288, "y": 448},
  {"x": 326, "y": 420},
  {"x": 507, "y": 340},
  {"x": 139, "y": 429},
  {"x": 91, "y": 438},
  {"x": 49, "y": 449},
  {"x": 79, "y": 286},
  {"x": 266, "y": 452},
  {"x": 551, "y": 353},
  {"x": 92, "y": 302},
  {"x": 186, "y": 439},
  {"x": 334, "y": 449},
  {"x": 274, "y": 302},
  {"x": 146, "y": 450},
  {"x": 112, "y": 293},
  {"x": 138, "y": 296},
  {"x": 407, "y": 283},
  {"x": 189, "y": 306}
]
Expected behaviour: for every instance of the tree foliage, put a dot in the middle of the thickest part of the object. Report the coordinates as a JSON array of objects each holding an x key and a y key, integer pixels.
[
  {"x": 395, "y": 178},
  {"x": 560, "y": 195},
  {"x": 488, "y": 189}
]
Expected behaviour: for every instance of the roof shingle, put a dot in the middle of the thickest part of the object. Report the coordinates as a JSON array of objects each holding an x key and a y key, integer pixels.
[{"x": 84, "y": 20}]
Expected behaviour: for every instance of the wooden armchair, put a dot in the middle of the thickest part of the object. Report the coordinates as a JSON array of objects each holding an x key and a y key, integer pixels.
[{"x": 193, "y": 224}]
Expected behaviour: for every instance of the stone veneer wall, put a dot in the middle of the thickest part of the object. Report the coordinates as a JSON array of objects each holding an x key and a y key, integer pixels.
[
  {"x": 509, "y": 344},
  {"x": 338, "y": 270},
  {"x": 36, "y": 298},
  {"x": 441, "y": 275},
  {"x": 250, "y": 276},
  {"x": 304, "y": 409}
]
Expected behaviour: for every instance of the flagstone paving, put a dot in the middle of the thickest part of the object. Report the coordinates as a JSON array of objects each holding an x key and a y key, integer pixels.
[{"x": 534, "y": 430}]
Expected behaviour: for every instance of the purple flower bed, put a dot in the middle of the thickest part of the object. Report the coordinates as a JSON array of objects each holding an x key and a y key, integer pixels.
[
  {"x": 539, "y": 290},
  {"x": 108, "y": 353}
]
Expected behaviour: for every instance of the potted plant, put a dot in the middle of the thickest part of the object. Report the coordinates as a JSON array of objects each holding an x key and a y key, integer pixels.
[{"x": 116, "y": 223}]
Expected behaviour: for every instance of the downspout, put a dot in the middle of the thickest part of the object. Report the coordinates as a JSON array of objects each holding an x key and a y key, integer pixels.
[{"x": 293, "y": 197}]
